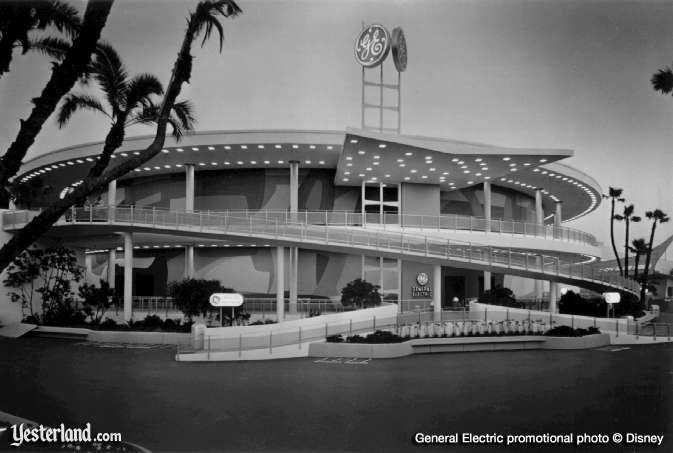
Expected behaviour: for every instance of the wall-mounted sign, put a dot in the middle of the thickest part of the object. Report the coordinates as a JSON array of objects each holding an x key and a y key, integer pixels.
[
  {"x": 399, "y": 47},
  {"x": 226, "y": 300},
  {"x": 372, "y": 46},
  {"x": 422, "y": 290}
]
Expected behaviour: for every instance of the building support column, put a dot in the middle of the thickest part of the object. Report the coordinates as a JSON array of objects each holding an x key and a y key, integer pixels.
[
  {"x": 437, "y": 292},
  {"x": 189, "y": 261},
  {"x": 487, "y": 228},
  {"x": 399, "y": 285},
  {"x": 553, "y": 296},
  {"x": 189, "y": 187},
  {"x": 111, "y": 267},
  {"x": 88, "y": 266},
  {"x": 294, "y": 251},
  {"x": 128, "y": 276},
  {"x": 539, "y": 220},
  {"x": 294, "y": 269},
  {"x": 280, "y": 283},
  {"x": 111, "y": 199},
  {"x": 554, "y": 286},
  {"x": 363, "y": 211}
]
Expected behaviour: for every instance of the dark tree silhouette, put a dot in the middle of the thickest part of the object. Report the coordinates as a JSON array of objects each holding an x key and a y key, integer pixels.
[
  {"x": 656, "y": 216},
  {"x": 19, "y": 18},
  {"x": 628, "y": 217},
  {"x": 203, "y": 20},
  {"x": 63, "y": 78},
  {"x": 614, "y": 195}
]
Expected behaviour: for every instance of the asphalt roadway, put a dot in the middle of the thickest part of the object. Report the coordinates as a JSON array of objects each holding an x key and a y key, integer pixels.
[{"x": 337, "y": 405}]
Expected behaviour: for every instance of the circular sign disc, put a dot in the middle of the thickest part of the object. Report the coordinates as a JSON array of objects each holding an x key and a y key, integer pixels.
[
  {"x": 372, "y": 46},
  {"x": 399, "y": 45}
]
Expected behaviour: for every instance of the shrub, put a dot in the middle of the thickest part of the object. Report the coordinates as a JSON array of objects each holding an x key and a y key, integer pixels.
[
  {"x": 567, "y": 331},
  {"x": 109, "y": 324},
  {"x": 334, "y": 339},
  {"x": 152, "y": 322},
  {"x": 192, "y": 295},
  {"x": 499, "y": 295},
  {"x": 360, "y": 293},
  {"x": 96, "y": 301}
]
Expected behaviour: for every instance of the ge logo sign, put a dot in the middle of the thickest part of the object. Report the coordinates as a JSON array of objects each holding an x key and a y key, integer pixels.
[
  {"x": 422, "y": 279},
  {"x": 372, "y": 46}
]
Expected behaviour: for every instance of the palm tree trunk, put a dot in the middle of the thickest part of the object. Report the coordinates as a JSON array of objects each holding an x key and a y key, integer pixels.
[
  {"x": 626, "y": 249},
  {"x": 647, "y": 262},
  {"x": 6, "y": 49},
  {"x": 612, "y": 236},
  {"x": 63, "y": 78},
  {"x": 636, "y": 262}
]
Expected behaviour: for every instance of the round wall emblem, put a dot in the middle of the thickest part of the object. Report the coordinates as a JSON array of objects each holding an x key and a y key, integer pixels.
[
  {"x": 399, "y": 46},
  {"x": 422, "y": 278},
  {"x": 372, "y": 46}
]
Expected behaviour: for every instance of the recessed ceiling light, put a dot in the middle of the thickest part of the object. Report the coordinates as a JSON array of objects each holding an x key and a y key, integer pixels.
[
  {"x": 244, "y": 146},
  {"x": 543, "y": 160},
  {"x": 455, "y": 160},
  {"x": 412, "y": 171},
  {"x": 376, "y": 156},
  {"x": 165, "y": 151},
  {"x": 361, "y": 152},
  {"x": 260, "y": 146},
  {"x": 478, "y": 159},
  {"x": 195, "y": 148},
  {"x": 353, "y": 140},
  {"x": 408, "y": 154},
  {"x": 506, "y": 158},
  {"x": 382, "y": 145},
  {"x": 211, "y": 148}
]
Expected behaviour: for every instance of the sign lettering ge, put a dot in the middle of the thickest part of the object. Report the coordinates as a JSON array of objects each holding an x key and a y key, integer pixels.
[{"x": 372, "y": 46}]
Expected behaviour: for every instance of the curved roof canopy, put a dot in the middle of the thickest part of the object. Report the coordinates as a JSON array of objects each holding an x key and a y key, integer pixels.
[{"x": 357, "y": 156}]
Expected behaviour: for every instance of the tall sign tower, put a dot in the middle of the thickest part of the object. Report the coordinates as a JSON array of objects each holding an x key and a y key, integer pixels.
[{"x": 372, "y": 47}]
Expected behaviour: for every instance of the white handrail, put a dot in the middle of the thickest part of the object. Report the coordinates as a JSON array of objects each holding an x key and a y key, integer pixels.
[{"x": 398, "y": 242}]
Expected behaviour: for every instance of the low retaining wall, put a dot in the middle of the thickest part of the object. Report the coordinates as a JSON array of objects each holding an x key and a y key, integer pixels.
[
  {"x": 585, "y": 342},
  {"x": 114, "y": 336},
  {"x": 459, "y": 344}
]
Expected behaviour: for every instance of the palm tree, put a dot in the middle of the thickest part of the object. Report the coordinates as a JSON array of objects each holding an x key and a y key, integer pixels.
[
  {"x": 129, "y": 101},
  {"x": 662, "y": 81},
  {"x": 639, "y": 248},
  {"x": 19, "y": 18},
  {"x": 614, "y": 195},
  {"x": 628, "y": 217},
  {"x": 656, "y": 216},
  {"x": 203, "y": 19},
  {"x": 63, "y": 77}
]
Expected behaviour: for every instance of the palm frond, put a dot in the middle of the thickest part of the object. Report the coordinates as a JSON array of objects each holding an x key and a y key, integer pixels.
[
  {"x": 110, "y": 73},
  {"x": 58, "y": 14},
  {"x": 184, "y": 113},
  {"x": 139, "y": 90},
  {"x": 205, "y": 19},
  {"x": 662, "y": 80},
  {"x": 181, "y": 120},
  {"x": 50, "y": 46},
  {"x": 73, "y": 102}
]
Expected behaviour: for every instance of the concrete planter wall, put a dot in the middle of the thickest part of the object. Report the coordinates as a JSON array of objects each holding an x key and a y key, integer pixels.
[
  {"x": 113, "y": 336},
  {"x": 585, "y": 342},
  {"x": 455, "y": 344},
  {"x": 361, "y": 351}
]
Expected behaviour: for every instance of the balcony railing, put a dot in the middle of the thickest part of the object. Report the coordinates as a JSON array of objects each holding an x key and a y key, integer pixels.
[
  {"x": 398, "y": 241},
  {"x": 444, "y": 222}
]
